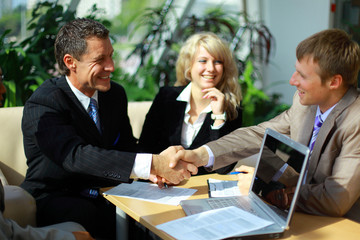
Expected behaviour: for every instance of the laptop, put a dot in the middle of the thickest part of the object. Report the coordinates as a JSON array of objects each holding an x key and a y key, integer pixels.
[{"x": 276, "y": 150}]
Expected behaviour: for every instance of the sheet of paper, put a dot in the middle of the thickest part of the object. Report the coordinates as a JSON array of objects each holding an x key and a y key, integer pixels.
[
  {"x": 214, "y": 224},
  {"x": 221, "y": 188},
  {"x": 151, "y": 192}
]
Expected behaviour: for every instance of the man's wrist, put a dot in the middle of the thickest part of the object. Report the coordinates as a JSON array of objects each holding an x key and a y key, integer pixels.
[
  {"x": 142, "y": 166},
  {"x": 153, "y": 165},
  {"x": 203, "y": 156}
]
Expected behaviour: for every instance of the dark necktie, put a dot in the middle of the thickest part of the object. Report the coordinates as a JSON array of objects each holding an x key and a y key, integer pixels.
[
  {"x": 317, "y": 126},
  {"x": 94, "y": 113}
]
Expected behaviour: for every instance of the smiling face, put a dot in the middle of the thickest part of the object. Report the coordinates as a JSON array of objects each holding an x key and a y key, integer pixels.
[
  {"x": 311, "y": 90},
  {"x": 92, "y": 71},
  {"x": 206, "y": 71}
]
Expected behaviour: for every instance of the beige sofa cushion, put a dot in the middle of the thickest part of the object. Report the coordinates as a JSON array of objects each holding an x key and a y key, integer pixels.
[
  {"x": 12, "y": 156},
  {"x": 137, "y": 112}
]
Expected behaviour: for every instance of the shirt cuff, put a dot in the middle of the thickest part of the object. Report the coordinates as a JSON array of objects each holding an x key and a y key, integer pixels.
[
  {"x": 211, "y": 157},
  {"x": 142, "y": 166}
]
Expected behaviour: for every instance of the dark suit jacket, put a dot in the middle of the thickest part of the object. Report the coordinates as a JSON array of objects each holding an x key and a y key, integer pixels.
[
  {"x": 64, "y": 149},
  {"x": 164, "y": 121}
]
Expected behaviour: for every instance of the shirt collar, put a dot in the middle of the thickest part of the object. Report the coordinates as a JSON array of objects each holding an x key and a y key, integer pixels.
[
  {"x": 184, "y": 96},
  {"x": 324, "y": 115},
  {"x": 84, "y": 100}
]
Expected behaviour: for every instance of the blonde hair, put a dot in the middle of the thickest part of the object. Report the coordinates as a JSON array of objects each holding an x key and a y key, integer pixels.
[{"x": 219, "y": 49}]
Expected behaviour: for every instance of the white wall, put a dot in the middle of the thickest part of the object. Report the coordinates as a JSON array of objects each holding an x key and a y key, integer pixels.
[{"x": 290, "y": 21}]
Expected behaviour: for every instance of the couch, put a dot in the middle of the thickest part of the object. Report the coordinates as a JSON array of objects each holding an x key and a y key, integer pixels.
[{"x": 20, "y": 205}]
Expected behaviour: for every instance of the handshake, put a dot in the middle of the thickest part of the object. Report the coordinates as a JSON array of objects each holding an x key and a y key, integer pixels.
[{"x": 175, "y": 164}]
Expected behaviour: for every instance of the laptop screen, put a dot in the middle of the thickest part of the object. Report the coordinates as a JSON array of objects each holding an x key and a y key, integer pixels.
[{"x": 279, "y": 170}]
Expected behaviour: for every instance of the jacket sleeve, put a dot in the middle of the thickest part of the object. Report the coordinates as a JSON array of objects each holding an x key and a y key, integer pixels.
[
  {"x": 228, "y": 127},
  {"x": 9, "y": 229}
]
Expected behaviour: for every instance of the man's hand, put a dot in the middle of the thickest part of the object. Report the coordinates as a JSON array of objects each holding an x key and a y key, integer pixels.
[
  {"x": 245, "y": 178},
  {"x": 160, "y": 181},
  {"x": 160, "y": 167},
  {"x": 198, "y": 157}
]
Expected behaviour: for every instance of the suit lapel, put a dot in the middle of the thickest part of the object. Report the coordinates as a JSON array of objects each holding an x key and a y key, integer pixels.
[
  {"x": 327, "y": 130},
  {"x": 307, "y": 126},
  {"x": 203, "y": 132},
  {"x": 78, "y": 108},
  {"x": 105, "y": 113},
  {"x": 62, "y": 83},
  {"x": 178, "y": 119}
]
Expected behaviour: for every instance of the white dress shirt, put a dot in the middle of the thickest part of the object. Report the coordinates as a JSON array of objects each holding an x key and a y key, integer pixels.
[{"x": 188, "y": 130}]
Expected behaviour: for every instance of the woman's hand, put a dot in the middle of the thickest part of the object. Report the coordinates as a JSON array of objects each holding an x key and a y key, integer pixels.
[{"x": 217, "y": 100}]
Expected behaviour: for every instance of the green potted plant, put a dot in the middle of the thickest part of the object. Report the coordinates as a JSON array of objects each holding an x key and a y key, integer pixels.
[{"x": 254, "y": 36}]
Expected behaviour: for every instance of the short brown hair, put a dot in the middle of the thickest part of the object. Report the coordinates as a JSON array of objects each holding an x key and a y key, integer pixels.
[
  {"x": 72, "y": 37},
  {"x": 334, "y": 52}
]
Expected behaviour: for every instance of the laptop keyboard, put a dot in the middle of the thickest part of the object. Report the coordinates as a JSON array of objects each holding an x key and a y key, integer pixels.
[{"x": 239, "y": 202}]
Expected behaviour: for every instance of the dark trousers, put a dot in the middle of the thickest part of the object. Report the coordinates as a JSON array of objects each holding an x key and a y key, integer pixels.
[{"x": 96, "y": 215}]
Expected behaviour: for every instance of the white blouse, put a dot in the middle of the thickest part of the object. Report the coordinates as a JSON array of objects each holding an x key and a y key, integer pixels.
[{"x": 189, "y": 131}]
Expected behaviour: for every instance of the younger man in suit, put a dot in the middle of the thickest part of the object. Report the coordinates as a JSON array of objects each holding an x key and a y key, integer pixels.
[
  {"x": 326, "y": 74},
  {"x": 78, "y": 138}
]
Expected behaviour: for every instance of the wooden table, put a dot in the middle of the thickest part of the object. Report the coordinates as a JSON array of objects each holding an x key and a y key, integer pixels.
[{"x": 303, "y": 226}]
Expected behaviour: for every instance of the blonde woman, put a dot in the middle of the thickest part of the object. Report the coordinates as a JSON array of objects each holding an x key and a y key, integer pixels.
[{"x": 204, "y": 104}]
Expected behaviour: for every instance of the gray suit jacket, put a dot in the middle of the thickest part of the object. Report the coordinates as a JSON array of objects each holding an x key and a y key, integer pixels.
[
  {"x": 9, "y": 229},
  {"x": 333, "y": 181}
]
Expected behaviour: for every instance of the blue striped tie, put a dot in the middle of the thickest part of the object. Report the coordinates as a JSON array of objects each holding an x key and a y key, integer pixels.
[
  {"x": 317, "y": 125},
  {"x": 94, "y": 113}
]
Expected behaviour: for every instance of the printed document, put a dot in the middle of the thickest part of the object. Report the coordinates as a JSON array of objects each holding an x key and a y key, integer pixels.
[
  {"x": 214, "y": 224},
  {"x": 151, "y": 192},
  {"x": 221, "y": 188}
]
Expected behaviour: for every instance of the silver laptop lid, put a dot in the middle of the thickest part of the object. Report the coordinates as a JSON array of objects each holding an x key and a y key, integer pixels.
[{"x": 281, "y": 165}]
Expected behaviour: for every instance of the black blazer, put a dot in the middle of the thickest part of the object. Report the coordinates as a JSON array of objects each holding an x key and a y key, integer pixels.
[
  {"x": 163, "y": 124},
  {"x": 64, "y": 149}
]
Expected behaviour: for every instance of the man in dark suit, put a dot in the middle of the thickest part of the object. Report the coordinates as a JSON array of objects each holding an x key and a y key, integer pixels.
[
  {"x": 9, "y": 229},
  {"x": 71, "y": 154}
]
